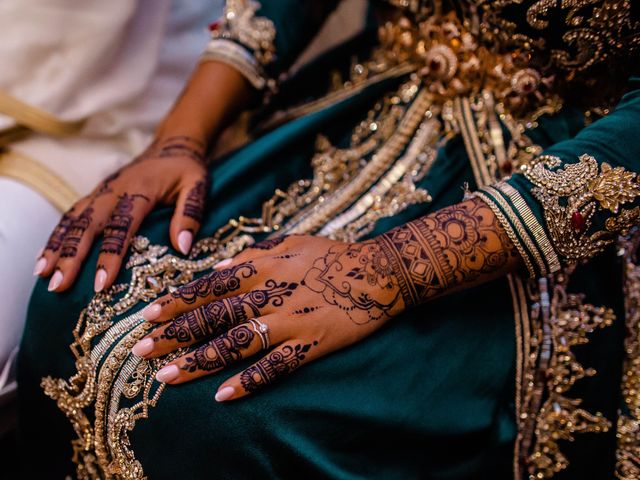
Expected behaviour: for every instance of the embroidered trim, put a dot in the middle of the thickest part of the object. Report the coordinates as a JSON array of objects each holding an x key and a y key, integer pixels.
[
  {"x": 572, "y": 195},
  {"x": 236, "y": 56},
  {"x": 628, "y": 428},
  {"x": 256, "y": 34}
]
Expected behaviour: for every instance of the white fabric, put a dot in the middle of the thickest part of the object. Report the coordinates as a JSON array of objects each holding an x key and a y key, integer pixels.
[
  {"x": 20, "y": 241},
  {"x": 119, "y": 63}
]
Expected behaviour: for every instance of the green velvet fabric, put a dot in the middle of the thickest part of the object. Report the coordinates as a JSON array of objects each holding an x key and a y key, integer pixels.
[{"x": 431, "y": 395}]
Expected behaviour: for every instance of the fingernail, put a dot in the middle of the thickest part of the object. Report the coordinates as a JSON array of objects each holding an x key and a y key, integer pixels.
[
  {"x": 56, "y": 280},
  {"x": 225, "y": 394},
  {"x": 41, "y": 264},
  {"x": 185, "y": 237},
  {"x": 143, "y": 347},
  {"x": 167, "y": 374},
  {"x": 223, "y": 263},
  {"x": 101, "y": 278},
  {"x": 40, "y": 253},
  {"x": 151, "y": 312}
]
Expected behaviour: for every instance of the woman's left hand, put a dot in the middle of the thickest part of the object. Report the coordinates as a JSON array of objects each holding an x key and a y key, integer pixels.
[{"x": 292, "y": 299}]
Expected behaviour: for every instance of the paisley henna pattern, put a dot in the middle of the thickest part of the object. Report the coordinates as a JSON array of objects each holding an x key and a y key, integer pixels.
[
  {"x": 453, "y": 246},
  {"x": 221, "y": 351},
  {"x": 276, "y": 364},
  {"x": 217, "y": 317},
  {"x": 215, "y": 284}
]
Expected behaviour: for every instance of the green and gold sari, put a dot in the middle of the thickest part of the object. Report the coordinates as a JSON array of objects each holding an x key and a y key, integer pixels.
[{"x": 535, "y": 375}]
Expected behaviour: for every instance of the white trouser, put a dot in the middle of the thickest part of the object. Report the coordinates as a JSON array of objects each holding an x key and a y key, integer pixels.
[{"x": 26, "y": 219}]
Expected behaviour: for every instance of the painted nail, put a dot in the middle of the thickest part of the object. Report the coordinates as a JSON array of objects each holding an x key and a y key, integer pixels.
[
  {"x": 167, "y": 374},
  {"x": 41, "y": 264},
  {"x": 223, "y": 263},
  {"x": 225, "y": 394},
  {"x": 56, "y": 280},
  {"x": 40, "y": 253},
  {"x": 143, "y": 347},
  {"x": 185, "y": 237},
  {"x": 151, "y": 312},
  {"x": 100, "y": 280}
]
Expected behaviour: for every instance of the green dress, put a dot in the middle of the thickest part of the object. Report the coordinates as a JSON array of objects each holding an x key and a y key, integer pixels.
[{"x": 490, "y": 382}]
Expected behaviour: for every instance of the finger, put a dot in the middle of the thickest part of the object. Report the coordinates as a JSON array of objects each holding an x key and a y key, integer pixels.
[
  {"x": 77, "y": 242},
  {"x": 216, "y": 285},
  {"x": 276, "y": 364},
  {"x": 45, "y": 263},
  {"x": 240, "y": 342},
  {"x": 213, "y": 319},
  {"x": 268, "y": 247},
  {"x": 188, "y": 214},
  {"x": 123, "y": 223}
]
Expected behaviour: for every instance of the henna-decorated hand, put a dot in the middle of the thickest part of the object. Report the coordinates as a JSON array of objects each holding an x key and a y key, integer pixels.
[
  {"x": 170, "y": 171},
  {"x": 305, "y": 297}
]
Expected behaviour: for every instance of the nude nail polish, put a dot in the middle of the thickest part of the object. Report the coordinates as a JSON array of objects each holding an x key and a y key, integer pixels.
[
  {"x": 225, "y": 394},
  {"x": 185, "y": 238},
  {"x": 143, "y": 347},
  {"x": 167, "y": 373},
  {"x": 100, "y": 280},
  {"x": 223, "y": 263},
  {"x": 151, "y": 312},
  {"x": 41, "y": 264},
  {"x": 56, "y": 280}
]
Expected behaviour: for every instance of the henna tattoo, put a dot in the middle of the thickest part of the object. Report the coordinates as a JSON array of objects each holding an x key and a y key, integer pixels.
[
  {"x": 221, "y": 351},
  {"x": 344, "y": 276},
  {"x": 450, "y": 247},
  {"x": 195, "y": 201},
  {"x": 214, "y": 284},
  {"x": 183, "y": 146},
  {"x": 57, "y": 236},
  {"x": 276, "y": 364},
  {"x": 105, "y": 185},
  {"x": 75, "y": 233},
  {"x": 286, "y": 256},
  {"x": 269, "y": 243},
  {"x": 117, "y": 229},
  {"x": 305, "y": 310},
  {"x": 222, "y": 315}
]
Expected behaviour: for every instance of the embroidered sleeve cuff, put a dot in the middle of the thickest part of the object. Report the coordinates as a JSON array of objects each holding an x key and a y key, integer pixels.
[
  {"x": 239, "y": 58},
  {"x": 522, "y": 227}
]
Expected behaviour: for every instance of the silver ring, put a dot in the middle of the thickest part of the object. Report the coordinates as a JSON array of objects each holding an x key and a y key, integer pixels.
[{"x": 262, "y": 330}]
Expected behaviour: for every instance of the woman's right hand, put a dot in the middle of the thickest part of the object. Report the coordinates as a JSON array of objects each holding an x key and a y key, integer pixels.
[{"x": 171, "y": 171}]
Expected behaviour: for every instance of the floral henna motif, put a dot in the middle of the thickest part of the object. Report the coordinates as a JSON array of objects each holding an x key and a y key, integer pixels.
[
  {"x": 455, "y": 245},
  {"x": 57, "y": 236},
  {"x": 119, "y": 224},
  {"x": 215, "y": 284},
  {"x": 276, "y": 364},
  {"x": 220, "y": 352},
  {"x": 220, "y": 316},
  {"x": 75, "y": 233},
  {"x": 196, "y": 198},
  {"x": 344, "y": 277}
]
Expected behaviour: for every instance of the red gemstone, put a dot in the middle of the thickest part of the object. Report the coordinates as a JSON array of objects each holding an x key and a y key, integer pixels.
[
  {"x": 577, "y": 221},
  {"x": 435, "y": 65},
  {"x": 214, "y": 25},
  {"x": 507, "y": 167}
]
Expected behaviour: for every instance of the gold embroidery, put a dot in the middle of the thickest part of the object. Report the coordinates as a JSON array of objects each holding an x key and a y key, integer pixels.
[
  {"x": 558, "y": 321},
  {"x": 240, "y": 23},
  {"x": 583, "y": 188},
  {"x": 628, "y": 431}
]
